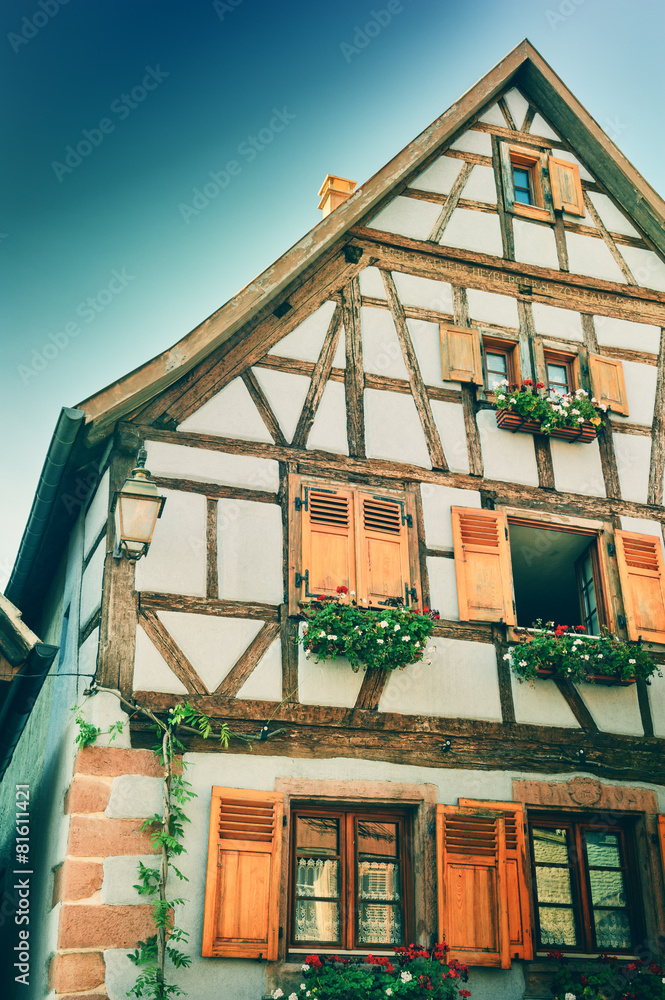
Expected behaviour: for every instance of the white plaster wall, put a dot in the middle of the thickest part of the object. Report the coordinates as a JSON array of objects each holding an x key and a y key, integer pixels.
[
  {"x": 647, "y": 269},
  {"x": 563, "y": 154},
  {"x": 443, "y": 587},
  {"x": 328, "y": 431},
  {"x": 439, "y": 176},
  {"x": 640, "y": 392},
  {"x": 642, "y": 526},
  {"x": 500, "y": 310},
  {"x": 551, "y": 321},
  {"x": 426, "y": 293},
  {"x": 613, "y": 332},
  {"x": 91, "y": 583},
  {"x": 633, "y": 455},
  {"x": 339, "y": 360},
  {"x": 535, "y": 244},
  {"x": 589, "y": 255},
  {"x": 234, "y": 979},
  {"x": 176, "y": 561},
  {"x": 103, "y": 711},
  {"x": 426, "y": 341},
  {"x": 656, "y": 691},
  {"x": 306, "y": 340},
  {"x": 407, "y": 217},
  {"x": 613, "y": 219},
  {"x": 120, "y": 877},
  {"x": 437, "y": 501},
  {"x": 577, "y": 467},
  {"x": 265, "y": 681},
  {"x": 181, "y": 462},
  {"x": 517, "y": 105},
  {"x": 494, "y": 116},
  {"x": 229, "y": 413},
  {"x": 88, "y": 654},
  {"x": 382, "y": 354},
  {"x": 393, "y": 430},
  {"x": 540, "y": 127},
  {"x": 212, "y": 644},
  {"x": 286, "y": 394},
  {"x": 151, "y": 671},
  {"x": 474, "y": 142},
  {"x": 472, "y": 230},
  {"x": 449, "y": 419},
  {"x": 480, "y": 185},
  {"x": 371, "y": 283},
  {"x": 506, "y": 457},
  {"x": 328, "y": 682},
  {"x": 461, "y": 682},
  {"x": 249, "y": 545},
  {"x": 541, "y": 704},
  {"x": 614, "y": 709},
  {"x": 97, "y": 514}
]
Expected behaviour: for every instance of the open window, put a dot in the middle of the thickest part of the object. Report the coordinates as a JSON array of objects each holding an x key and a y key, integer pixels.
[
  {"x": 501, "y": 358},
  {"x": 525, "y": 182},
  {"x": 562, "y": 372}
]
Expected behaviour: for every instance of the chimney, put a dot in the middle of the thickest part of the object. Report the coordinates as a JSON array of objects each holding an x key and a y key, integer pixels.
[{"x": 334, "y": 191}]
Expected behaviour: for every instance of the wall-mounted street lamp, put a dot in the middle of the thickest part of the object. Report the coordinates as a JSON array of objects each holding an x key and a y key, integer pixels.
[{"x": 137, "y": 506}]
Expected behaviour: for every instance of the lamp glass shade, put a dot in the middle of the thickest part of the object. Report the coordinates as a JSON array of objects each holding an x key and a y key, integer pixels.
[{"x": 137, "y": 509}]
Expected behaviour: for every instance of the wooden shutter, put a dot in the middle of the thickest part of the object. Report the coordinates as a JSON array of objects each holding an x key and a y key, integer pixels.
[
  {"x": 328, "y": 545},
  {"x": 517, "y": 866},
  {"x": 241, "y": 915},
  {"x": 482, "y": 565},
  {"x": 661, "y": 837},
  {"x": 472, "y": 894},
  {"x": 383, "y": 549},
  {"x": 607, "y": 383},
  {"x": 566, "y": 186},
  {"x": 460, "y": 354},
  {"x": 642, "y": 574}
]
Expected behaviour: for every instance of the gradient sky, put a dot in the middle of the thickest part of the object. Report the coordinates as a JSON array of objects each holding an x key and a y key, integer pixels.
[{"x": 218, "y": 71}]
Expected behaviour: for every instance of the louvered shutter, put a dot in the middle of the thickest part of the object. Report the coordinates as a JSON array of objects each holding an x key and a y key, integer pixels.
[
  {"x": 566, "y": 186},
  {"x": 460, "y": 354},
  {"x": 642, "y": 574},
  {"x": 517, "y": 885},
  {"x": 328, "y": 544},
  {"x": 383, "y": 549},
  {"x": 482, "y": 565},
  {"x": 607, "y": 383},
  {"x": 472, "y": 895},
  {"x": 241, "y": 916}
]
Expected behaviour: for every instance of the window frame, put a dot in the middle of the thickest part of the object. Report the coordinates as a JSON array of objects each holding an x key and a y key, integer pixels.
[
  {"x": 568, "y": 359},
  {"x": 498, "y": 345},
  {"x": 583, "y": 910},
  {"x": 349, "y": 813},
  {"x": 534, "y": 161}
]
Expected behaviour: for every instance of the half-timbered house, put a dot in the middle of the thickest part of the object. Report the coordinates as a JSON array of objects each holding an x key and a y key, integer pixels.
[{"x": 335, "y": 424}]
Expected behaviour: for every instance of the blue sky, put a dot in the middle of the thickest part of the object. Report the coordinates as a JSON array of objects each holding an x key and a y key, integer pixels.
[{"x": 106, "y": 260}]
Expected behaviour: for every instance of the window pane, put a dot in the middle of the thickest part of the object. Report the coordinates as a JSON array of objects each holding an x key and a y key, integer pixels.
[
  {"x": 316, "y": 877},
  {"x": 557, "y": 926},
  {"x": 551, "y": 845},
  {"x": 589, "y": 597},
  {"x": 557, "y": 377},
  {"x": 553, "y": 885},
  {"x": 377, "y": 839},
  {"x": 612, "y": 929},
  {"x": 317, "y": 921},
  {"x": 317, "y": 835},
  {"x": 378, "y": 880},
  {"x": 603, "y": 849},
  {"x": 379, "y": 923},
  {"x": 607, "y": 888}
]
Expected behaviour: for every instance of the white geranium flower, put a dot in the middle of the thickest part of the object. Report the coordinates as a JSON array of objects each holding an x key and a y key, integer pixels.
[
  {"x": 586, "y": 656},
  {"x": 332, "y": 638},
  {"x": 406, "y": 977},
  {"x": 574, "y": 411},
  {"x": 305, "y": 968},
  {"x": 600, "y": 656},
  {"x": 522, "y": 663},
  {"x": 384, "y": 625},
  {"x": 631, "y": 661},
  {"x": 379, "y": 642},
  {"x": 417, "y": 645},
  {"x": 389, "y": 992},
  {"x": 396, "y": 629},
  {"x": 322, "y": 634},
  {"x": 405, "y": 638},
  {"x": 293, "y": 996},
  {"x": 570, "y": 996},
  {"x": 506, "y": 656},
  {"x": 278, "y": 993},
  {"x": 303, "y": 986}
]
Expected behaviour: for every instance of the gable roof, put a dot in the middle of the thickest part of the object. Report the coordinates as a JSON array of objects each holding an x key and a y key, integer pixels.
[{"x": 523, "y": 67}]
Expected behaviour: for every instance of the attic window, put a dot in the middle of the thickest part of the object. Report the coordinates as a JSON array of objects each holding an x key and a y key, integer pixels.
[{"x": 525, "y": 182}]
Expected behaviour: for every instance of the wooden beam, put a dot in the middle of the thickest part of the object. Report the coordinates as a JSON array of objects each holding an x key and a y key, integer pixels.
[
  {"x": 263, "y": 406},
  {"x": 372, "y": 687},
  {"x": 609, "y": 242},
  {"x": 214, "y": 491},
  {"x": 212, "y": 573},
  {"x": 418, "y": 390},
  {"x": 576, "y": 704},
  {"x": 239, "y": 673},
  {"x": 16, "y": 639},
  {"x": 657, "y": 463},
  {"x": 468, "y": 391},
  {"x": 171, "y": 652},
  {"x": 150, "y": 600},
  {"x": 450, "y": 203},
  {"x": 319, "y": 380},
  {"x": 505, "y": 111},
  {"x": 353, "y": 379},
  {"x": 290, "y": 678}
]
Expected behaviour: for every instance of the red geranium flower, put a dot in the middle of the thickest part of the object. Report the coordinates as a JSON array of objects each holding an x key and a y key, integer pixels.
[
  {"x": 314, "y": 961},
  {"x": 465, "y": 993},
  {"x": 342, "y": 590},
  {"x": 540, "y": 385}
]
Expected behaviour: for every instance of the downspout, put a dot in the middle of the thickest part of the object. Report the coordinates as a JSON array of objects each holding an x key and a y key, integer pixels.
[
  {"x": 57, "y": 456},
  {"x": 23, "y": 694}
]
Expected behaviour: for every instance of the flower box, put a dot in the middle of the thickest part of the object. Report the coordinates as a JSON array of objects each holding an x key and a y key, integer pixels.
[
  {"x": 509, "y": 420},
  {"x": 607, "y": 679}
]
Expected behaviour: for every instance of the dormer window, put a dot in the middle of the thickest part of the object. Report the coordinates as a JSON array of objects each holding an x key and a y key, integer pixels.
[{"x": 523, "y": 185}]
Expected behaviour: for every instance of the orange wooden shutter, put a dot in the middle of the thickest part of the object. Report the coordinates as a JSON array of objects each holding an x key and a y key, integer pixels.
[
  {"x": 517, "y": 886},
  {"x": 383, "y": 549},
  {"x": 607, "y": 383},
  {"x": 328, "y": 546},
  {"x": 661, "y": 837},
  {"x": 482, "y": 565},
  {"x": 472, "y": 895},
  {"x": 566, "y": 186},
  {"x": 241, "y": 915},
  {"x": 642, "y": 574},
  {"x": 460, "y": 354}
]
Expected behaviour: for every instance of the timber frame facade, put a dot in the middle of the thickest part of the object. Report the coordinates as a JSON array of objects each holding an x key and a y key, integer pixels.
[{"x": 326, "y": 373}]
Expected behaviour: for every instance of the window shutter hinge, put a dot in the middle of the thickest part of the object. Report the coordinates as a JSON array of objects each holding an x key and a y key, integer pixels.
[
  {"x": 281, "y": 933},
  {"x": 410, "y": 592},
  {"x": 303, "y": 578},
  {"x": 611, "y": 549},
  {"x": 621, "y": 621},
  {"x": 506, "y": 530},
  {"x": 409, "y": 520},
  {"x": 283, "y": 820}
]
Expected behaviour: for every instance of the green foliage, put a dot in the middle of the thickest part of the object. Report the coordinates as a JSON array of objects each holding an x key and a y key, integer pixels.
[
  {"x": 88, "y": 733},
  {"x": 578, "y": 657},
  {"x": 607, "y": 977},
  {"x": 534, "y": 402},
  {"x": 413, "y": 972},
  {"x": 390, "y": 638}
]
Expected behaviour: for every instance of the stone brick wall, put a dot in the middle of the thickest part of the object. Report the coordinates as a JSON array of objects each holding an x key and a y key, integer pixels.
[{"x": 112, "y": 791}]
